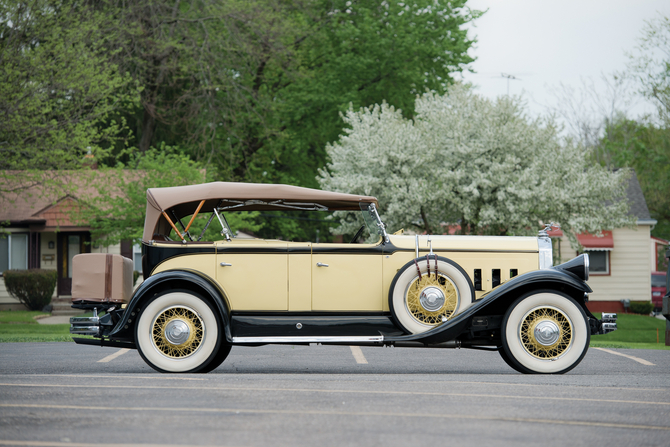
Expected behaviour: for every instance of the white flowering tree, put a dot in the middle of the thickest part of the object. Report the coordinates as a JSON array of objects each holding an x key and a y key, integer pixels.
[{"x": 470, "y": 161}]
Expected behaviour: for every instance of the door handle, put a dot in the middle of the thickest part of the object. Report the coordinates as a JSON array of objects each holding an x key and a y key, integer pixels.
[
  {"x": 321, "y": 264},
  {"x": 225, "y": 264}
]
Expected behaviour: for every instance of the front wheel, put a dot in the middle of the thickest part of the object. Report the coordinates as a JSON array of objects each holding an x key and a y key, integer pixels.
[
  {"x": 545, "y": 332},
  {"x": 179, "y": 332}
]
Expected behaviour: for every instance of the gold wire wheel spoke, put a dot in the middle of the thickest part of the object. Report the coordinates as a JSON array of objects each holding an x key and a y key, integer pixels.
[
  {"x": 431, "y": 318},
  {"x": 533, "y": 346},
  {"x": 190, "y": 345}
]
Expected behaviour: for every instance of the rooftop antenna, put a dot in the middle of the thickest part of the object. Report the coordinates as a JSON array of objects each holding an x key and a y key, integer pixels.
[{"x": 509, "y": 76}]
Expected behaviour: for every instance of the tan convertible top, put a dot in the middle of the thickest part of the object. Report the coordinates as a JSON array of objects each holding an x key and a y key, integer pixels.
[{"x": 184, "y": 200}]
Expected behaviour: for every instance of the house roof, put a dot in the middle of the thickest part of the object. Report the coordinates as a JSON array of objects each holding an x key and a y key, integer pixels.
[
  {"x": 638, "y": 205},
  {"x": 45, "y": 198}
]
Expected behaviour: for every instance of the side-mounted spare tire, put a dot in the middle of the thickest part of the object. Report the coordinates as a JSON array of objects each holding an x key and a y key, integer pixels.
[{"x": 428, "y": 291}]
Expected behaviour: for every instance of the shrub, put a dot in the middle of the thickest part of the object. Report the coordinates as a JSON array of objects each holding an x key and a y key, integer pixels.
[
  {"x": 136, "y": 275},
  {"x": 33, "y": 287},
  {"x": 641, "y": 307}
]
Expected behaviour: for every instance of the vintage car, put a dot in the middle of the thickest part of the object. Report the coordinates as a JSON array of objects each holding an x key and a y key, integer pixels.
[{"x": 200, "y": 298}]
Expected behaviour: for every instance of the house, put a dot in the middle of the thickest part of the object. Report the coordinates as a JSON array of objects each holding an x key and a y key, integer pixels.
[
  {"x": 38, "y": 231},
  {"x": 620, "y": 260}
]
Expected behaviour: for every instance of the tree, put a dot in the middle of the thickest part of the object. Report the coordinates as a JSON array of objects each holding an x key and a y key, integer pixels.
[
  {"x": 644, "y": 147},
  {"x": 58, "y": 91},
  {"x": 644, "y": 144},
  {"x": 342, "y": 53},
  {"x": 650, "y": 64},
  {"x": 195, "y": 62},
  {"x": 470, "y": 161}
]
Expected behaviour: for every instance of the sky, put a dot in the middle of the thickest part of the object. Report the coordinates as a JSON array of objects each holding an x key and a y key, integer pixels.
[{"x": 544, "y": 43}]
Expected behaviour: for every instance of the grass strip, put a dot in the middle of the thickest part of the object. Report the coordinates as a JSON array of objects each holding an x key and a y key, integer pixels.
[
  {"x": 20, "y": 316},
  {"x": 624, "y": 345},
  {"x": 27, "y": 332},
  {"x": 634, "y": 332}
]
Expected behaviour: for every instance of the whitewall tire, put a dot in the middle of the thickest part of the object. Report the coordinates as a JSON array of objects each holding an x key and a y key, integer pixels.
[
  {"x": 418, "y": 304},
  {"x": 545, "y": 332},
  {"x": 178, "y": 332}
]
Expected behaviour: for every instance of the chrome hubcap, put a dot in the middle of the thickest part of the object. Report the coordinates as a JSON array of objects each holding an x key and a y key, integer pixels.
[
  {"x": 177, "y": 332},
  {"x": 546, "y": 333},
  {"x": 432, "y": 299}
]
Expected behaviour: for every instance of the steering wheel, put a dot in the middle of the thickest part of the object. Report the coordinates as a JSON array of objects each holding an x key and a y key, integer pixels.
[{"x": 358, "y": 234}]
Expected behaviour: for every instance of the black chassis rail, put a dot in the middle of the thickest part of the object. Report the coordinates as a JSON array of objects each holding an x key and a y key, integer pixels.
[{"x": 482, "y": 315}]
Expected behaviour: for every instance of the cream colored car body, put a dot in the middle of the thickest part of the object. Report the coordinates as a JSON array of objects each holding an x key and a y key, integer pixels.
[{"x": 325, "y": 279}]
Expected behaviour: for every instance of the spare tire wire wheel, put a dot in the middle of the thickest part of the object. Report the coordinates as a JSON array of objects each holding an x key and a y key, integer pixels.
[{"x": 431, "y": 301}]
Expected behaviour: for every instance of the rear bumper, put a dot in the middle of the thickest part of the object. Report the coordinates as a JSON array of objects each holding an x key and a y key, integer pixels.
[
  {"x": 605, "y": 325},
  {"x": 85, "y": 325}
]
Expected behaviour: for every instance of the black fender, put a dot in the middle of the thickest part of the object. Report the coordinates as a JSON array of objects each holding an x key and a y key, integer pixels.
[
  {"x": 499, "y": 299},
  {"x": 187, "y": 279}
]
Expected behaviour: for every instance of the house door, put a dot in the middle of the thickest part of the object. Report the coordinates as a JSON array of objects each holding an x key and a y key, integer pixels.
[{"x": 69, "y": 245}]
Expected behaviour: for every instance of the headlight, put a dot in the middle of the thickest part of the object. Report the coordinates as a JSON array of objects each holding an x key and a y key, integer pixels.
[{"x": 578, "y": 266}]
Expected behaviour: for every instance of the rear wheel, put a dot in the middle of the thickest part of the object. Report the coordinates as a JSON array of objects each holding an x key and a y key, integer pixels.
[
  {"x": 180, "y": 332},
  {"x": 545, "y": 332},
  {"x": 221, "y": 355}
]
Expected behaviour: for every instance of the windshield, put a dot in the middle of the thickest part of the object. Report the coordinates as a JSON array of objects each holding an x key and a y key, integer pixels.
[{"x": 296, "y": 225}]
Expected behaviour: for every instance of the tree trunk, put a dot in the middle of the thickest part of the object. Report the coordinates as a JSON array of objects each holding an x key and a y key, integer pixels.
[
  {"x": 426, "y": 225},
  {"x": 148, "y": 129}
]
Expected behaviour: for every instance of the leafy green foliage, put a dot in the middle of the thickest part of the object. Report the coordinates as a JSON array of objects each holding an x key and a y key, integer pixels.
[
  {"x": 32, "y": 287},
  {"x": 343, "y": 53},
  {"x": 645, "y": 148},
  {"x": 252, "y": 90},
  {"x": 59, "y": 92},
  {"x": 641, "y": 307}
]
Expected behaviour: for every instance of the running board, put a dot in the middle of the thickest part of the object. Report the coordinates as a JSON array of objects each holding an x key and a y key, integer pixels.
[
  {"x": 488, "y": 345},
  {"x": 302, "y": 340}
]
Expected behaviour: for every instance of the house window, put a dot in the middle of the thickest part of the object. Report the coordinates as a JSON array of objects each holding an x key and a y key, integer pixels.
[
  {"x": 599, "y": 262},
  {"x": 14, "y": 252}
]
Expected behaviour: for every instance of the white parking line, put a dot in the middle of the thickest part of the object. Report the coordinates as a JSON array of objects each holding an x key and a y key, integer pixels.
[
  {"x": 637, "y": 359},
  {"x": 77, "y": 444},
  {"x": 358, "y": 355},
  {"x": 118, "y": 353}
]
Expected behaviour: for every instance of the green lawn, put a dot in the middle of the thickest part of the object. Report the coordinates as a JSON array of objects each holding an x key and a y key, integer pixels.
[
  {"x": 20, "y": 326},
  {"x": 19, "y": 316},
  {"x": 634, "y": 332}
]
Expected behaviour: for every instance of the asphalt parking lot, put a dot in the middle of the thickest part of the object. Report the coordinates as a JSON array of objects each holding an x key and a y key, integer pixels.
[{"x": 61, "y": 394}]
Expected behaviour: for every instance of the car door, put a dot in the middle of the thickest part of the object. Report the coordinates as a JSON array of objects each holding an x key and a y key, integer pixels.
[
  {"x": 253, "y": 274},
  {"x": 347, "y": 277}
]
